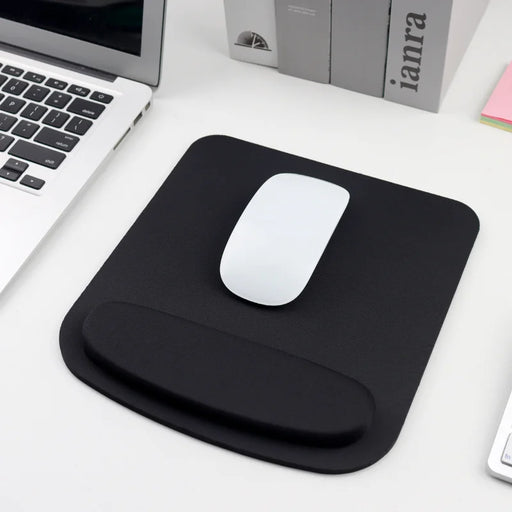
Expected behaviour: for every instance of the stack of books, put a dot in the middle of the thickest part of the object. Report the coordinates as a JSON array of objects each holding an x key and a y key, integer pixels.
[{"x": 406, "y": 51}]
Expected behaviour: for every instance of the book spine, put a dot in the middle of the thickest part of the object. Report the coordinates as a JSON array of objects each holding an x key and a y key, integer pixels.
[
  {"x": 304, "y": 38},
  {"x": 251, "y": 28},
  {"x": 359, "y": 45},
  {"x": 418, "y": 39}
]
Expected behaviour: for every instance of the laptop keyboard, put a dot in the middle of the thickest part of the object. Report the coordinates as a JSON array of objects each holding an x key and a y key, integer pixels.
[{"x": 41, "y": 121}]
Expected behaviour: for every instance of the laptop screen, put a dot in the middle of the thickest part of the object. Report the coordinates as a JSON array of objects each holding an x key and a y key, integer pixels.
[{"x": 115, "y": 24}]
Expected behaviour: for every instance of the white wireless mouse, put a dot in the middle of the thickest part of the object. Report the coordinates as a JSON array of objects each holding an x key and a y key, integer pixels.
[{"x": 280, "y": 238}]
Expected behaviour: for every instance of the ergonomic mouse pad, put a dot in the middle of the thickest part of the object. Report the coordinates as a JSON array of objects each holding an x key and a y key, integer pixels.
[{"x": 322, "y": 384}]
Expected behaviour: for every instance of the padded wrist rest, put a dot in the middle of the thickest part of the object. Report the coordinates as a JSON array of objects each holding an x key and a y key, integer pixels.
[{"x": 229, "y": 379}]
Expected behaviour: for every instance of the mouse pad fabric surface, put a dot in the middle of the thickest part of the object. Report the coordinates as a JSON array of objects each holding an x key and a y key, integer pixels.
[{"x": 323, "y": 383}]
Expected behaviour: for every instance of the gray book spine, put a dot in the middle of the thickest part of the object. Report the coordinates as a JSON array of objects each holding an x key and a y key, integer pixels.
[
  {"x": 359, "y": 45},
  {"x": 418, "y": 40},
  {"x": 251, "y": 28},
  {"x": 304, "y": 38}
]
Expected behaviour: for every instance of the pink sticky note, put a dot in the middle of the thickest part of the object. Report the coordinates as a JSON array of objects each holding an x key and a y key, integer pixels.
[{"x": 499, "y": 106}]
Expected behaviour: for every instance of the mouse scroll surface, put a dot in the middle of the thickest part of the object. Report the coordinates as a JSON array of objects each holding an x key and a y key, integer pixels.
[{"x": 280, "y": 238}]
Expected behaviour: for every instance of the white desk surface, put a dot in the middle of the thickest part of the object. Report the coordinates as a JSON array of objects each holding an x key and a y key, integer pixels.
[{"x": 65, "y": 447}]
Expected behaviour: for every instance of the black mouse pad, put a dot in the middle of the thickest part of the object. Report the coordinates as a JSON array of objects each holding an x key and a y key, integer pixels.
[{"x": 323, "y": 383}]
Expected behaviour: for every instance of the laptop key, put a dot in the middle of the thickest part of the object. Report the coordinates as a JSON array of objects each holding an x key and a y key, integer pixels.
[
  {"x": 16, "y": 165},
  {"x": 11, "y": 70},
  {"x": 15, "y": 87},
  {"x": 101, "y": 97},
  {"x": 78, "y": 126},
  {"x": 56, "y": 84},
  {"x": 12, "y": 105},
  {"x": 79, "y": 90},
  {"x": 34, "y": 77},
  {"x": 32, "y": 182},
  {"x": 25, "y": 129},
  {"x": 58, "y": 99},
  {"x": 3, "y": 79},
  {"x": 33, "y": 112},
  {"x": 37, "y": 154},
  {"x": 5, "y": 141},
  {"x": 6, "y": 122},
  {"x": 56, "y": 119},
  {"x": 55, "y": 139},
  {"x": 37, "y": 93},
  {"x": 9, "y": 175},
  {"x": 86, "y": 108}
]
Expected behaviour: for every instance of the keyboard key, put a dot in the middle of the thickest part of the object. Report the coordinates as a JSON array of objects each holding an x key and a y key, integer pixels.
[
  {"x": 56, "y": 84},
  {"x": 37, "y": 93},
  {"x": 37, "y": 154},
  {"x": 9, "y": 175},
  {"x": 16, "y": 165},
  {"x": 56, "y": 139},
  {"x": 3, "y": 79},
  {"x": 34, "y": 77},
  {"x": 34, "y": 112},
  {"x": 56, "y": 119},
  {"x": 101, "y": 97},
  {"x": 58, "y": 100},
  {"x": 11, "y": 70},
  {"x": 5, "y": 141},
  {"x": 78, "y": 126},
  {"x": 506, "y": 457},
  {"x": 12, "y": 105},
  {"x": 79, "y": 90},
  {"x": 25, "y": 129},
  {"x": 15, "y": 87},
  {"x": 86, "y": 108},
  {"x": 6, "y": 122},
  {"x": 31, "y": 182}
]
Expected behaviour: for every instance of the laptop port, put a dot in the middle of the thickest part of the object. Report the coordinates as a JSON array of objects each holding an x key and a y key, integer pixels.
[{"x": 138, "y": 118}]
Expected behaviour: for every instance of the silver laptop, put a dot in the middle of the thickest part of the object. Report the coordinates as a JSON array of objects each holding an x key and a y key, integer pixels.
[{"x": 74, "y": 80}]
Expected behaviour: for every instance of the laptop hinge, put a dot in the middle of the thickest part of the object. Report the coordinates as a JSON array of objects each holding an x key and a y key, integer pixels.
[{"x": 58, "y": 62}]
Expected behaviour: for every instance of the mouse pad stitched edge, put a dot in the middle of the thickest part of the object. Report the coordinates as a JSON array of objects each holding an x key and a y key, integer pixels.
[{"x": 372, "y": 310}]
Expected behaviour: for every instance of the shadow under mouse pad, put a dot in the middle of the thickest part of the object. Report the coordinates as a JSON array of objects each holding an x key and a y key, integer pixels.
[{"x": 322, "y": 384}]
